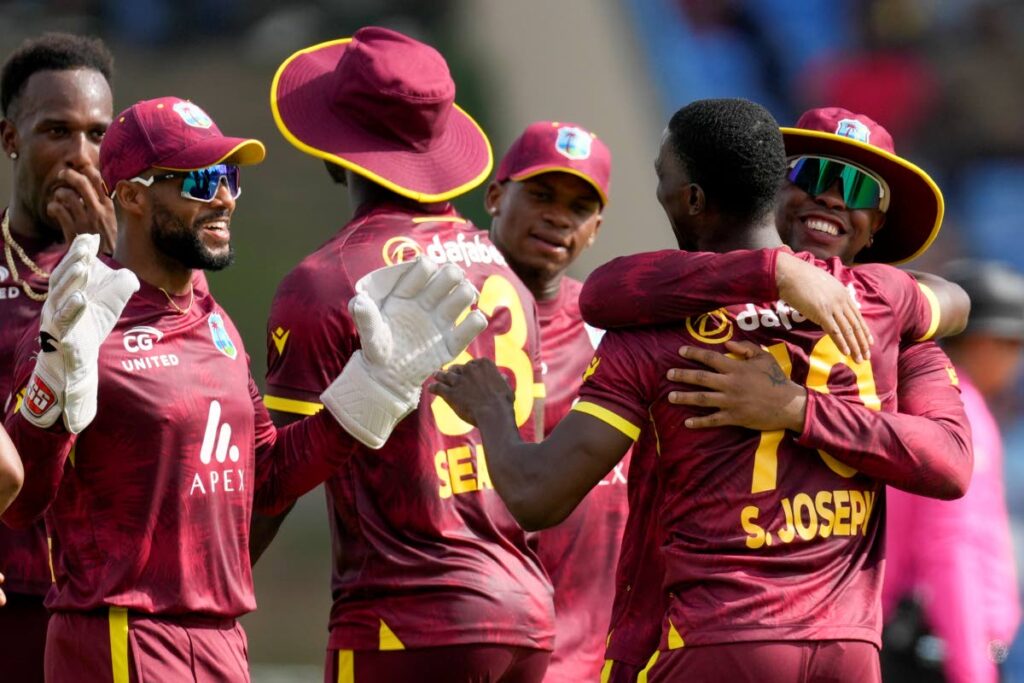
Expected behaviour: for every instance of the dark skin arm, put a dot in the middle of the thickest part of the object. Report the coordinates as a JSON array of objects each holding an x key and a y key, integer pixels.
[
  {"x": 953, "y": 302},
  {"x": 541, "y": 483},
  {"x": 263, "y": 528}
]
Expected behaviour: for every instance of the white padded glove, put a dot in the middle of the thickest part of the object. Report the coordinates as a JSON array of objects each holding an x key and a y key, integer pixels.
[
  {"x": 85, "y": 300},
  {"x": 406, "y": 316}
]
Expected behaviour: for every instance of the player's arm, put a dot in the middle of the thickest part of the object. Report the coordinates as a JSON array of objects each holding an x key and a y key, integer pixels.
[
  {"x": 45, "y": 453},
  {"x": 926, "y": 449},
  {"x": 668, "y": 286},
  {"x": 264, "y": 527},
  {"x": 11, "y": 472},
  {"x": 952, "y": 301},
  {"x": 541, "y": 483}
]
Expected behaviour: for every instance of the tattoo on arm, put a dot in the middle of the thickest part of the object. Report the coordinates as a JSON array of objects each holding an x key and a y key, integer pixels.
[{"x": 777, "y": 377}]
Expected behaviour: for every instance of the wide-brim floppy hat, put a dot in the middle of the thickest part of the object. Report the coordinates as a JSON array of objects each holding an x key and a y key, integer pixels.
[
  {"x": 383, "y": 106},
  {"x": 915, "y": 211}
]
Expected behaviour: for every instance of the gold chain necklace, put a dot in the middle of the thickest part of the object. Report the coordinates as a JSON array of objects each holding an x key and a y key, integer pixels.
[
  {"x": 9, "y": 243},
  {"x": 191, "y": 299}
]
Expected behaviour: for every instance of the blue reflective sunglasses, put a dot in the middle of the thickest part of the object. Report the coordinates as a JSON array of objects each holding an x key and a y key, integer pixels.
[{"x": 202, "y": 184}]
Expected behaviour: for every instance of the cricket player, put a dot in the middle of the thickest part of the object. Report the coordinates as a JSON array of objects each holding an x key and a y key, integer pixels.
[
  {"x": 772, "y": 560},
  {"x": 431, "y": 573},
  {"x": 546, "y": 203},
  {"x": 144, "y": 436},
  {"x": 56, "y": 105}
]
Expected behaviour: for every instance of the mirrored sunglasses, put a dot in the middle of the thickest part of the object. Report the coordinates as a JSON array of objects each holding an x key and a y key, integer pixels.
[
  {"x": 202, "y": 184},
  {"x": 860, "y": 189}
]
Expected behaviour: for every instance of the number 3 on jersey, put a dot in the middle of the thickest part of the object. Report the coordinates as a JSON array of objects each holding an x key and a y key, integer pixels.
[{"x": 509, "y": 353}]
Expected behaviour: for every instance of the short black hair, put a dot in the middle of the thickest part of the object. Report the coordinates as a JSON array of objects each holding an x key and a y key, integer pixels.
[
  {"x": 733, "y": 149},
  {"x": 51, "y": 52}
]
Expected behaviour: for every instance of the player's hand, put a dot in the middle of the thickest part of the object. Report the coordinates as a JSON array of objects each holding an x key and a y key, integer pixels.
[
  {"x": 82, "y": 207},
  {"x": 825, "y": 301},
  {"x": 747, "y": 387},
  {"x": 473, "y": 389},
  {"x": 412, "y": 320},
  {"x": 85, "y": 300}
]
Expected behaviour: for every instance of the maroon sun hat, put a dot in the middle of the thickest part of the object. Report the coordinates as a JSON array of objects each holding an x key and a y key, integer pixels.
[
  {"x": 550, "y": 146},
  {"x": 169, "y": 133},
  {"x": 916, "y": 207},
  {"x": 383, "y": 106}
]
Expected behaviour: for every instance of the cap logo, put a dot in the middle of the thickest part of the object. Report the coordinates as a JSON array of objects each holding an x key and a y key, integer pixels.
[
  {"x": 573, "y": 143},
  {"x": 852, "y": 128},
  {"x": 192, "y": 115}
]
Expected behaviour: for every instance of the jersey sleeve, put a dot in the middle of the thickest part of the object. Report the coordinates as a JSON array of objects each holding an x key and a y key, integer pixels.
[
  {"x": 293, "y": 460},
  {"x": 914, "y": 304},
  {"x": 310, "y": 337},
  {"x": 670, "y": 285},
  {"x": 44, "y": 452},
  {"x": 924, "y": 449},
  {"x": 616, "y": 384}
]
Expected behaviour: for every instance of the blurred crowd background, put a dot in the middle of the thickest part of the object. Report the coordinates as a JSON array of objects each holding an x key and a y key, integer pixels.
[{"x": 944, "y": 76}]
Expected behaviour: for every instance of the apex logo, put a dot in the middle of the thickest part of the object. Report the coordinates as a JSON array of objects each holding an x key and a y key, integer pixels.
[{"x": 217, "y": 447}]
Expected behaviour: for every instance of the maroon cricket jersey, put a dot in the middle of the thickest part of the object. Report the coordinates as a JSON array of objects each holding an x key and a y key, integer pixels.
[
  {"x": 425, "y": 552},
  {"x": 24, "y": 558},
  {"x": 150, "y": 505},
  {"x": 765, "y": 539},
  {"x": 580, "y": 553}
]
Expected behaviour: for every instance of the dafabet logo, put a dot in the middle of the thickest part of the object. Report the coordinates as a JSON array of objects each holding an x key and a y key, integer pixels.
[{"x": 711, "y": 328}]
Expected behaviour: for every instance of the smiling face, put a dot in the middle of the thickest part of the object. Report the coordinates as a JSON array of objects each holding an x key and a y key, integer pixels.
[
  {"x": 58, "y": 122},
  {"x": 541, "y": 224},
  {"x": 195, "y": 234},
  {"x": 823, "y": 225}
]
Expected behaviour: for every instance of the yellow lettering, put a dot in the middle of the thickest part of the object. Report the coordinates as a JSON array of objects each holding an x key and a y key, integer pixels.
[
  {"x": 460, "y": 468},
  {"x": 801, "y": 503},
  {"x": 756, "y": 536},
  {"x": 787, "y": 534},
  {"x": 842, "y": 525},
  {"x": 869, "y": 498},
  {"x": 441, "y": 467},
  {"x": 483, "y": 475},
  {"x": 823, "y": 504},
  {"x": 858, "y": 510}
]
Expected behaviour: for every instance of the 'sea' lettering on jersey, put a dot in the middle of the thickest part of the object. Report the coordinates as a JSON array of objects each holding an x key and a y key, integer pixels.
[
  {"x": 462, "y": 470},
  {"x": 217, "y": 449},
  {"x": 461, "y": 250},
  {"x": 828, "y": 513},
  {"x": 141, "y": 338}
]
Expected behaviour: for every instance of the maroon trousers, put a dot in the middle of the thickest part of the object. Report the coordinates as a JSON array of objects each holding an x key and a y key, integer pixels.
[
  {"x": 451, "y": 664},
  {"x": 115, "y": 646},
  {"x": 825, "y": 661},
  {"x": 23, "y": 638}
]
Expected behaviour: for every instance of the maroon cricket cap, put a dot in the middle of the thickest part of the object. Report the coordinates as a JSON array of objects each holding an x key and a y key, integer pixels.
[
  {"x": 916, "y": 207},
  {"x": 550, "y": 146},
  {"x": 172, "y": 134},
  {"x": 383, "y": 106}
]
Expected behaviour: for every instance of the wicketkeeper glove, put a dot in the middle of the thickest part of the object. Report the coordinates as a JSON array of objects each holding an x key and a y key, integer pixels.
[
  {"x": 406, "y": 316},
  {"x": 85, "y": 300}
]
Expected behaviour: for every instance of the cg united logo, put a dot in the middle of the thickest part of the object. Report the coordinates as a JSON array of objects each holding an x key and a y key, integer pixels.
[
  {"x": 400, "y": 249},
  {"x": 193, "y": 115},
  {"x": 573, "y": 142},
  {"x": 711, "y": 328}
]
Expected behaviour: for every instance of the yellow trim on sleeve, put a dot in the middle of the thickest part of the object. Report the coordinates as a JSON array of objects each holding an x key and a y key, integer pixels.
[
  {"x": 609, "y": 418},
  {"x": 118, "y": 619},
  {"x": 438, "y": 219},
  {"x": 388, "y": 639},
  {"x": 539, "y": 390},
  {"x": 933, "y": 302},
  {"x": 675, "y": 641},
  {"x": 290, "y": 405},
  {"x": 606, "y": 670},
  {"x": 346, "y": 666}
]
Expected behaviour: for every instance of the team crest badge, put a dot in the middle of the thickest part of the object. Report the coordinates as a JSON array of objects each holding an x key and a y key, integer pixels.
[
  {"x": 192, "y": 115},
  {"x": 221, "y": 339},
  {"x": 573, "y": 143},
  {"x": 854, "y": 129}
]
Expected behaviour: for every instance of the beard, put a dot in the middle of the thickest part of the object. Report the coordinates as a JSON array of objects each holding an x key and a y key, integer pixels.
[{"x": 181, "y": 242}]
